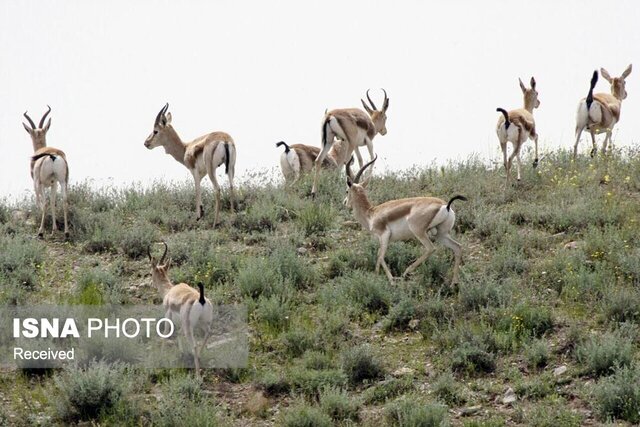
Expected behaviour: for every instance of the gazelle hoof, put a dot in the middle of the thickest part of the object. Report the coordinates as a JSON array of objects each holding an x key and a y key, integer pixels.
[
  {"x": 313, "y": 195},
  {"x": 40, "y": 235},
  {"x": 594, "y": 151},
  {"x": 535, "y": 163},
  {"x": 66, "y": 235}
]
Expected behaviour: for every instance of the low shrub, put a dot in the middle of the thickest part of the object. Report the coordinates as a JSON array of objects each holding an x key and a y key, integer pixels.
[
  {"x": 601, "y": 355},
  {"x": 408, "y": 411},
  {"x": 618, "y": 396},
  {"x": 302, "y": 414},
  {"x": 360, "y": 364},
  {"x": 339, "y": 405}
]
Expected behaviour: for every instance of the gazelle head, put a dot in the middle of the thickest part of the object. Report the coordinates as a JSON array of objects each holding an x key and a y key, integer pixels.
[
  {"x": 38, "y": 133},
  {"x": 355, "y": 188},
  {"x": 159, "y": 268},
  {"x": 531, "y": 100},
  {"x": 617, "y": 83},
  {"x": 378, "y": 117},
  {"x": 158, "y": 136}
]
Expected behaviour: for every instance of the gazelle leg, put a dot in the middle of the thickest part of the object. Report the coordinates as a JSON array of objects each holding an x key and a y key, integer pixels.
[
  {"x": 594, "y": 150},
  {"x": 216, "y": 189},
  {"x": 422, "y": 236},
  {"x": 42, "y": 201},
  {"x": 605, "y": 144},
  {"x": 384, "y": 245},
  {"x": 447, "y": 241},
  {"x": 52, "y": 197},
  {"x": 575, "y": 146},
  {"x": 318, "y": 163},
  {"x": 65, "y": 208},
  {"x": 232, "y": 191},
  {"x": 359, "y": 157},
  {"x": 536, "y": 159},
  {"x": 199, "y": 208}
]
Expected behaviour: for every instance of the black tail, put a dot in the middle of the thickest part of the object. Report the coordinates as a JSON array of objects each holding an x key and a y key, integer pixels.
[
  {"x": 594, "y": 80},
  {"x": 226, "y": 158},
  {"x": 286, "y": 146},
  {"x": 453, "y": 199},
  {"x": 324, "y": 130},
  {"x": 506, "y": 117},
  {"x": 41, "y": 155},
  {"x": 201, "y": 300}
]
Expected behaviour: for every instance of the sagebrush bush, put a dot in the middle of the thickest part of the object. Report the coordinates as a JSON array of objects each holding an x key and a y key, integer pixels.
[
  {"x": 482, "y": 293},
  {"x": 618, "y": 396},
  {"x": 274, "y": 312},
  {"x": 302, "y": 414},
  {"x": 258, "y": 277},
  {"x": 273, "y": 383},
  {"x": 473, "y": 358},
  {"x": 20, "y": 261},
  {"x": 88, "y": 394},
  {"x": 317, "y": 360},
  {"x": 554, "y": 415},
  {"x": 537, "y": 354},
  {"x": 601, "y": 355},
  {"x": 400, "y": 315},
  {"x": 310, "y": 382},
  {"x": 365, "y": 291},
  {"x": 622, "y": 305},
  {"x": 387, "y": 389},
  {"x": 447, "y": 389},
  {"x": 408, "y": 411},
  {"x": 315, "y": 218},
  {"x": 338, "y": 404},
  {"x": 360, "y": 364}
]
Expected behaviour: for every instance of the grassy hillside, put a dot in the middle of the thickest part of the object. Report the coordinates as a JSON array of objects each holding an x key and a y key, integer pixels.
[{"x": 550, "y": 279}]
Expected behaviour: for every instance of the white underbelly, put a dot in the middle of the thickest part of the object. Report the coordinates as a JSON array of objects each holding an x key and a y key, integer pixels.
[{"x": 400, "y": 230}]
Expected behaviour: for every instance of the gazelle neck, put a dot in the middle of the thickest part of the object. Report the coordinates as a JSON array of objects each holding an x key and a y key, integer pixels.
[
  {"x": 361, "y": 208},
  {"x": 163, "y": 286},
  {"x": 173, "y": 145}
]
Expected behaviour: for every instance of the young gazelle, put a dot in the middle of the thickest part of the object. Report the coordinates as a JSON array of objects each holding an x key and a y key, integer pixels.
[
  {"x": 404, "y": 219},
  {"x": 182, "y": 302},
  {"x": 48, "y": 168},
  {"x": 516, "y": 126},
  {"x": 353, "y": 126},
  {"x": 297, "y": 159},
  {"x": 600, "y": 112},
  {"x": 202, "y": 156}
]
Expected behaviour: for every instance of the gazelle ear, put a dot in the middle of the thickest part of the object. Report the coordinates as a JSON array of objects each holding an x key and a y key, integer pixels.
[
  {"x": 533, "y": 83},
  {"x": 605, "y": 74},
  {"x": 27, "y": 128},
  {"x": 366, "y": 107},
  {"x": 47, "y": 126},
  {"x": 626, "y": 72},
  {"x": 366, "y": 181},
  {"x": 524, "y": 89},
  {"x": 168, "y": 118}
]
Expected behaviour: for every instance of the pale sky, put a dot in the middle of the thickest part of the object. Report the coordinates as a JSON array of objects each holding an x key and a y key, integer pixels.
[{"x": 265, "y": 71}]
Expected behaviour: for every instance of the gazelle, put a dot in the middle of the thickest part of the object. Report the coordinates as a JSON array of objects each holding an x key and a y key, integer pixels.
[
  {"x": 516, "y": 126},
  {"x": 403, "y": 219},
  {"x": 600, "y": 112},
  {"x": 182, "y": 302},
  {"x": 202, "y": 156},
  {"x": 353, "y": 126},
  {"x": 48, "y": 168},
  {"x": 298, "y": 159}
]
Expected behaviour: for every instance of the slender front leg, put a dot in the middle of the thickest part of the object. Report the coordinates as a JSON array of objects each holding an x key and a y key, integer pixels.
[
  {"x": 52, "y": 196},
  {"x": 519, "y": 163},
  {"x": 605, "y": 144},
  {"x": 359, "y": 157},
  {"x": 514, "y": 153},
  {"x": 232, "y": 191},
  {"x": 42, "y": 201},
  {"x": 384, "y": 244}
]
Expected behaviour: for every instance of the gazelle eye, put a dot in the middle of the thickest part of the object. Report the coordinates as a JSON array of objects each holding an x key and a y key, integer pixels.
[{"x": 155, "y": 131}]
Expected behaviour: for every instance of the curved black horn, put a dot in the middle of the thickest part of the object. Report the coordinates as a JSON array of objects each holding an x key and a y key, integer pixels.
[
  {"x": 161, "y": 113},
  {"x": 347, "y": 168},
  {"x": 359, "y": 174},
  {"x": 370, "y": 101},
  {"x": 44, "y": 117},
  {"x": 33, "y": 125},
  {"x": 166, "y": 248},
  {"x": 385, "y": 103}
]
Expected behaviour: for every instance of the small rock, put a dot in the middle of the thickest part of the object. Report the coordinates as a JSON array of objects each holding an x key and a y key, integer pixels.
[
  {"x": 302, "y": 250},
  {"x": 403, "y": 371},
  {"x": 413, "y": 323},
  {"x": 470, "y": 410},
  {"x": 571, "y": 245},
  {"x": 509, "y": 396},
  {"x": 559, "y": 370}
]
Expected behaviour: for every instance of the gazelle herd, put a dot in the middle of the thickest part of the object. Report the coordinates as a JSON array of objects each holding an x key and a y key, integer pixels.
[{"x": 343, "y": 131}]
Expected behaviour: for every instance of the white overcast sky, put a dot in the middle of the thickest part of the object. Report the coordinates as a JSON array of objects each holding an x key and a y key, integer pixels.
[{"x": 265, "y": 71}]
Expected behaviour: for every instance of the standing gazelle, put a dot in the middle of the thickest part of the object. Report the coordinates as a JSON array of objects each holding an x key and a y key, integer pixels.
[
  {"x": 297, "y": 159},
  {"x": 516, "y": 126},
  {"x": 183, "y": 302},
  {"x": 404, "y": 219},
  {"x": 48, "y": 168},
  {"x": 601, "y": 111},
  {"x": 353, "y": 126},
  {"x": 202, "y": 156}
]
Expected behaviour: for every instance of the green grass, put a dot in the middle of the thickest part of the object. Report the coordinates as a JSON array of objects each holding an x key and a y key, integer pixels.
[{"x": 327, "y": 335}]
